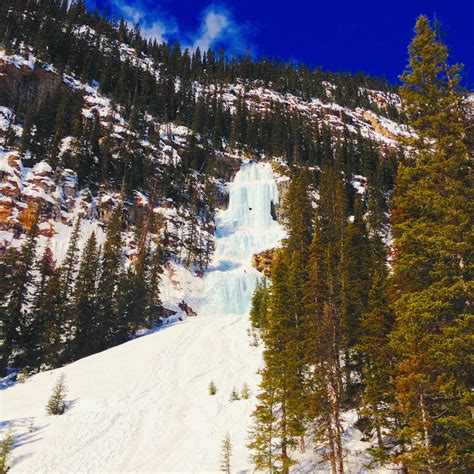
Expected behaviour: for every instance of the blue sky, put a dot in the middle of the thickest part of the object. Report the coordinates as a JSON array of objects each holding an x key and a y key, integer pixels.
[{"x": 339, "y": 35}]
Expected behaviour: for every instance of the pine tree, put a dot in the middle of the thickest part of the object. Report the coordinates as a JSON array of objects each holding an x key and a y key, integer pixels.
[
  {"x": 57, "y": 403},
  {"x": 6, "y": 448},
  {"x": 212, "y": 388},
  {"x": 154, "y": 307},
  {"x": 263, "y": 436},
  {"x": 432, "y": 222},
  {"x": 86, "y": 313},
  {"x": 245, "y": 393},
  {"x": 226, "y": 454},
  {"x": 7, "y": 324},
  {"x": 324, "y": 331},
  {"x": 39, "y": 311},
  {"x": 110, "y": 269},
  {"x": 52, "y": 339},
  {"x": 298, "y": 214},
  {"x": 355, "y": 284},
  {"x": 17, "y": 336},
  {"x": 65, "y": 291},
  {"x": 234, "y": 395},
  {"x": 259, "y": 308},
  {"x": 282, "y": 368}
]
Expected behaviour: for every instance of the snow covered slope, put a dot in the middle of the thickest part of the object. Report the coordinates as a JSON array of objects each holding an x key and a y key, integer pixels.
[{"x": 144, "y": 406}]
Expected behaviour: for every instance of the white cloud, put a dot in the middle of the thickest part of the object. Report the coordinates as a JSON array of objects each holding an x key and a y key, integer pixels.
[
  {"x": 212, "y": 28},
  {"x": 155, "y": 31},
  {"x": 219, "y": 27},
  {"x": 135, "y": 16}
]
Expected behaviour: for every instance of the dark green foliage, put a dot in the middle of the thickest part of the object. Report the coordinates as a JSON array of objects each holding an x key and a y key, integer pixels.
[
  {"x": 6, "y": 448},
  {"x": 18, "y": 274},
  {"x": 431, "y": 283},
  {"x": 57, "y": 403},
  {"x": 87, "y": 335},
  {"x": 259, "y": 309}
]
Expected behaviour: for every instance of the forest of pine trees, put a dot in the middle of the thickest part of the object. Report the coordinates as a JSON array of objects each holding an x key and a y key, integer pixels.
[
  {"x": 96, "y": 298},
  {"x": 102, "y": 298},
  {"x": 346, "y": 327}
]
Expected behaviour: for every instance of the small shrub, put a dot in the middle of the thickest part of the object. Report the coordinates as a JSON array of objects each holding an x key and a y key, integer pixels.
[
  {"x": 57, "y": 403},
  {"x": 212, "y": 388},
  {"x": 234, "y": 395},
  {"x": 21, "y": 378},
  {"x": 245, "y": 393},
  {"x": 5, "y": 451},
  {"x": 226, "y": 454}
]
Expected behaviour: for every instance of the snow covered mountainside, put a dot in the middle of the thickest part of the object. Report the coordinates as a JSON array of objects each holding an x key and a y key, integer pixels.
[{"x": 144, "y": 406}]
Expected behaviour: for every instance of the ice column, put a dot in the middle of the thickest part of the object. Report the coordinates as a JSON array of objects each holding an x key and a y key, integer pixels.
[{"x": 245, "y": 228}]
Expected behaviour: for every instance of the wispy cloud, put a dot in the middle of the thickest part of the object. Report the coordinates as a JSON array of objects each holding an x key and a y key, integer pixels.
[
  {"x": 218, "y": 26},
  {"x": 151, "y": 29}
]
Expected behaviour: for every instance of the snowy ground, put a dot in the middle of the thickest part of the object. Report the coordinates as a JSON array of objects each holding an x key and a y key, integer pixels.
[{"x": 144, "y": 406}]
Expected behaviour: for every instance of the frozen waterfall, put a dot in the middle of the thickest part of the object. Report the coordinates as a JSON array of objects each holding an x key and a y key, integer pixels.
[{"x": 245, "y": 228}]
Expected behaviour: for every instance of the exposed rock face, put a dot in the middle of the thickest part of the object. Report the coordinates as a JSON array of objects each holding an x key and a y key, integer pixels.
[
  {"x": 24, "y": 85},
  {"x": 263, "y": 262},
  {"x": 378, "y": 126}
]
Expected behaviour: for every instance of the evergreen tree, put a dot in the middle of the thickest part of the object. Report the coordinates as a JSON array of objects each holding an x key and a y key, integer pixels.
[
  {"x": 39, "y": 311},
  {"x": 259, "y": 308},
  {"x": 18, "y": 300},
  {"x": 324, "y": 331},
  {"x": 263, "y": 439},
  {"x": 7, "y": 324},
  {"x": 212, "y": 388},
  {"x": 51, "y": 340},
  {"x": 355, "y": 284},
  {"x": 226, "y": 454},
  {"x": 6, "y": 448},
  {"x": 245, "y": 393},
  {"x": 298, "y": 214},
  {"x": 110, "y": 271},
  {"x": 65, "y": 291},
  {"x": 234, "y": 395},
  {"x": 282, "y": 367},
  {"x": 432, "y": 225},
  {"x": 86, "y": 313},
  {"x": 57, "y": 403}
]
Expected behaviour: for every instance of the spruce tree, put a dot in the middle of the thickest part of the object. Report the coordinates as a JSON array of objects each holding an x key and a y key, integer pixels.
[
  {"x": 87, "y": 338},
  {"x": 259, "y": 308},
  {"x": 57, "y": 403},
  {"x": 432, "y": 228},
  {"x": 7, "y": 324},
  {"x": 110, "y": 268},
  {"x": 39, "y": 311},
  {"x": 17, "y": 311},
  {"x": 6, "y": 447},
  {"x": 355, "y": 281},
  {"x": 212, "y": 388},
  {"x": 263, "y": 436},
  {"x": 67, "y": 275},
  {"x": 226, "y": 454},
  {"x": 282, "y": 367},
  {"x": 325, "y": 342}
]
